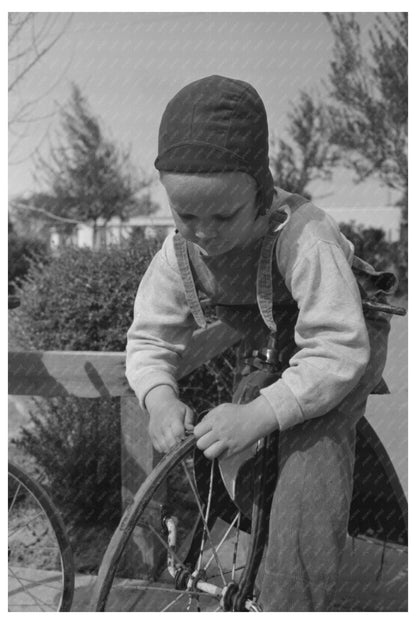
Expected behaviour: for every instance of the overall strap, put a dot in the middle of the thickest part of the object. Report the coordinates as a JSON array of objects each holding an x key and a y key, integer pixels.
[
  {"x": 278, "y": 219},
  {"x": 205, "y": 278},
  {"x": 181, "y": 251}
]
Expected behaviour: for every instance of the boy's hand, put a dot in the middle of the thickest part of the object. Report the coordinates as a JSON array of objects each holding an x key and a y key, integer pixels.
[
  {"x": 230, "y": 428},
  {"x": 169, "y": 418}
]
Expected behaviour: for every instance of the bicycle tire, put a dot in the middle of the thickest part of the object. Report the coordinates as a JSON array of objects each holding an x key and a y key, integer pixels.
[
  {"x": 36, "y": 587},
  {"x": 113, "y": 592}
]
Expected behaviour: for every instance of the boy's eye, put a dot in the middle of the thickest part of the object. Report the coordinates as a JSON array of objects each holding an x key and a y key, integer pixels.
[
  {"x": 223, "y": 217},
  {"x": 188, "y": 217}
]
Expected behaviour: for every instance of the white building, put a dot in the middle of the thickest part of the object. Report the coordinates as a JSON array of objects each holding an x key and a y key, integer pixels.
[{"x": 115, "y": 231}]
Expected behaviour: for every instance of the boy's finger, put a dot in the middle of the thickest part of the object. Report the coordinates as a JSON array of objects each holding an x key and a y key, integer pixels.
[
  {"x": 201, "y": 428},
  {"x": 189, "y": 420},
  {"x": 207, "y": 440},
  {"x": 215, "y": 450}
]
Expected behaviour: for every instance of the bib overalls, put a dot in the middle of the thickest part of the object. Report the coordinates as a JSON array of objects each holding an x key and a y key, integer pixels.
[{"x": 310, "y": 510}]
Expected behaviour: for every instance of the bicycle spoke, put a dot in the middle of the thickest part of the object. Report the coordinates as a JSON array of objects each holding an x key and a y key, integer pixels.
[
  {"x": 36, "y": 583},
  {"x": 241, "y": 567},
  {"x": 26, "y": 524},
  {"x": 50, "y": 549},
  {"x": 235, "y": 549},
  {"x": 196, "y": 594},
  {"x": 208, "y": 507},
  {"x": 198, "y": 502},
  {"x": 175, "y": 535},
  {"x": 237, "y": 517},
  {"x": 174, "y": 601},
  {"x": 164, "y": 543},
  {"x": 39, "y": 554},
  {"x": 38, "y": 602},
  {"x": 144, "y": 586},
  {"x": 164, "y": 589},
  {"x": 15, "y": 497}
]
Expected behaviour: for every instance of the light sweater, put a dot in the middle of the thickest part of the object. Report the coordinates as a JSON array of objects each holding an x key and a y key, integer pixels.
[{"x": 314, "y": 260}]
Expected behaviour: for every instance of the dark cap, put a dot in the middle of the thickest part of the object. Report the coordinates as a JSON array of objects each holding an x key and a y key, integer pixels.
[{"x": 215, "y": 125}]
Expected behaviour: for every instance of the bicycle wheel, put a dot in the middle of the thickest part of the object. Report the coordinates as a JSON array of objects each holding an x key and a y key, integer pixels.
[
  {"x": 41, "y": 570},
  {"x": 181, "y": 544}
]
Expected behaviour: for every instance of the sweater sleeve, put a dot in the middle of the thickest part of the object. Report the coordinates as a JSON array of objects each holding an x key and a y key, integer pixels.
[
  {"x": 330, "y": 333},
  {"x": 162, "y": 327}
]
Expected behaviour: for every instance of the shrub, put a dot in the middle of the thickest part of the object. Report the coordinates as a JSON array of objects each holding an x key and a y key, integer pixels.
[
  {"x": 22, "y": 251},
  {"x": 80, "y": 300},
  {"x": 76, "y": 444},
  {"x": 370, "y": 245},
  {"x": 83, "y": 300}
]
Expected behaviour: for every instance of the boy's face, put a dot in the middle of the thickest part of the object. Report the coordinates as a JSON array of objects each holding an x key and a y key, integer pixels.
[{"x": 216, "y": 211}]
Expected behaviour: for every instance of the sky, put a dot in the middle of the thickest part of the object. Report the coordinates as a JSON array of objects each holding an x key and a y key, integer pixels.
[{"x": 128, "y": 66}]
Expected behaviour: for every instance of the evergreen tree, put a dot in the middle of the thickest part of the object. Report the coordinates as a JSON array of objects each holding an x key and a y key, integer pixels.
[
  {"x": 86, "y": 178},
  {"x": 309, "y": 155},
  {"x": 368, "y": 97}
]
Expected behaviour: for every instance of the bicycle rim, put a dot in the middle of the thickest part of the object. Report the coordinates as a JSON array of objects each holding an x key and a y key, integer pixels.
[
  {"x": 41, "y": 570},
  {"x": 176, "y": 548}
]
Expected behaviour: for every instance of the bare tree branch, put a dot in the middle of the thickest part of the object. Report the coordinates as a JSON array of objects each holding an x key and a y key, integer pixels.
[
  {"x": 19, "y": 27},
  {"x": 31, "y": 64},
  {"x": 21, "y": 206},
  {"x": 31, "y": 37}
]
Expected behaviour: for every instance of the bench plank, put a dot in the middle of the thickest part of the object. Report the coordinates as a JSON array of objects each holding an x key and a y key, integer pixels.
[{"x": 94, "y": 374}]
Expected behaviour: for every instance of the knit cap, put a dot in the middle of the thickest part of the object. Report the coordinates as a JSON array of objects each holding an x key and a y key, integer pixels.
[{"x": 217, "y": 124}]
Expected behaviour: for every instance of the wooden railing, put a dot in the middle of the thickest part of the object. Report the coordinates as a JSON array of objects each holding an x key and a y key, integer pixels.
[
  {"x": 102, "y": 374},
  {"x": 93, "y": 374}
]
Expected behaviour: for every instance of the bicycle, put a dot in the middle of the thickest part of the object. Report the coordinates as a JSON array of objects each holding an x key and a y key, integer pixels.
[
  {"x": 36, "y": 529},
  {"x": 201, "y": 549},
  {"x": 40, "y": 561}
]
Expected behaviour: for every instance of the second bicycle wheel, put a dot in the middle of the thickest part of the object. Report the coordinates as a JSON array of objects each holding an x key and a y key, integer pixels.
[
  {"x": 41, "y": 570},
  {"x": 181, "y": 544}
]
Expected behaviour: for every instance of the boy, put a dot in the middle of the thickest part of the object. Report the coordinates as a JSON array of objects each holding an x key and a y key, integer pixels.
[{"x": 270, "y": 261}]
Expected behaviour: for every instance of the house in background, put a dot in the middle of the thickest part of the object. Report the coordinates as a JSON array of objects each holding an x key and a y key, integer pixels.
[{"x": 116, "y": 231}]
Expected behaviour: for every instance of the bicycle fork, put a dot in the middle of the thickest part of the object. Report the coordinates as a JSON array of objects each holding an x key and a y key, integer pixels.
[
  {"x": 185, "y": 579},
  {"x": 231, "y": 597},
  {"x": 234, "y": 596}
]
